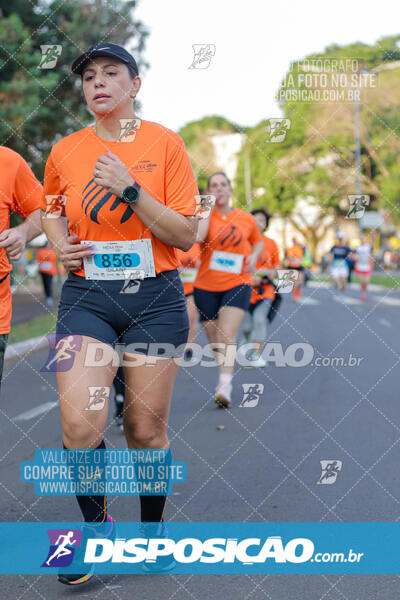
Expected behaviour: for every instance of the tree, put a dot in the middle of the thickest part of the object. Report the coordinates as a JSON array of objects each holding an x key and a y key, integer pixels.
[
  {"x": 39, "y": 106},
  {"x": 314, "y": 166}
]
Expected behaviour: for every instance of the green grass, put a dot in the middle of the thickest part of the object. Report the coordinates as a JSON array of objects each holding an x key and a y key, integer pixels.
[
  {"x": 38, "y": 326},
  {"x": 389, "y": 281}
]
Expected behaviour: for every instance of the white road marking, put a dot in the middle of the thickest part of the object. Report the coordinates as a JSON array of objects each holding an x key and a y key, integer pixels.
[
  {"x": 35, "y": 412},
  {"x": 307, "y": 300},
  {"x": 346, "y": 300},
  {"x": 389, "y": 301},
  {"x": 319, "y": 284},
  {"x": 372, "y": 287}
]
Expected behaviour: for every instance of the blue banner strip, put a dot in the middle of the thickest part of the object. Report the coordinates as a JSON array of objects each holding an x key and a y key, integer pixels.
[{"x": 213, "y": 548}]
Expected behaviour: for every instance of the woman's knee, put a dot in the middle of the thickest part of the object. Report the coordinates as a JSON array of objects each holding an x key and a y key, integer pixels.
[
  {"x": 247, "y": 323},
  {"x": 147, "y": 435},
  {"x": 227, "y": 331},
  {"x": 78, "y": 434},
  {"x": 259, "y": 321}
]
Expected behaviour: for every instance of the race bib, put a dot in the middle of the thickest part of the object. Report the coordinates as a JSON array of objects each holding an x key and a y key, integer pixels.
[
  {"x": 45, "y": 266},
  {"x": 112, "y": 260},
  {"x": 188, "y": 275},
  {"x": 226, "y": 261}
]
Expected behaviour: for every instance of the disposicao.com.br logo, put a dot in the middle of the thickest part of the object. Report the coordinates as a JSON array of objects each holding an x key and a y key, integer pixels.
[
  {"x": 248, "y": 551},
  {"x": 202, "y": 547}
]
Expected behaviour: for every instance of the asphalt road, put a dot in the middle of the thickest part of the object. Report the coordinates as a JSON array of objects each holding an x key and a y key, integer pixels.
[{"x": 263, "y": 465}]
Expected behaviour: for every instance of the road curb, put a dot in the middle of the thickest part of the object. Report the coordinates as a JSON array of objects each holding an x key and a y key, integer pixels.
[{"x": 22, "y": 349}]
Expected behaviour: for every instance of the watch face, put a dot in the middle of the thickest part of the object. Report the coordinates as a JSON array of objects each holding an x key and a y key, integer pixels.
[{"x": 130, "y": 194}]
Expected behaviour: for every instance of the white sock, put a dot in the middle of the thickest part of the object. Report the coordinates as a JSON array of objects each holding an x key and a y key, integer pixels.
[{"x": 225, "y": 378}]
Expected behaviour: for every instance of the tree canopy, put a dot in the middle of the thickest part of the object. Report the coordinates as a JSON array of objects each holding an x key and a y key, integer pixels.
[
  {"x": 39, "y": 106},
  {"x": 316, "y": 160}
]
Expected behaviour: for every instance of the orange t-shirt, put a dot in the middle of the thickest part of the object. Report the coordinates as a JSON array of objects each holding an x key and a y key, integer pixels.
[
  {"x": 158, "y": 162},
  {"x": 47, "y": 261},
  {"x": 233, "y": 233},
  {"x": 20, "y": 192},
  {"x": 294, "y": 256},
  {"x": 188, "y": 261},
  {"x": 268, "y": 259}
]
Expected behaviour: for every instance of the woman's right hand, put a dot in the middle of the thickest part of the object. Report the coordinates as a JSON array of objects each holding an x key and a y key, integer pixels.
[
  {"x": 256, "y": 280},
  {"x": 71, "y": 252}
]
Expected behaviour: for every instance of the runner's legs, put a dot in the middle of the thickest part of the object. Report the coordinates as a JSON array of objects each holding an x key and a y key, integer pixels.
[
  {"x": 83, "y": 428},
  {"x": 193, "y": 318},
  {"x": 148, "y": 394}
]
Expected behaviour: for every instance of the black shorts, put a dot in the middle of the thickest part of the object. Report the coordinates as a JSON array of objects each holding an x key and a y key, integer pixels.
[
  {"x": 3, "y": 345},
  {"x": 151, "y": 313},
  {"x": 209, "y": 303}
]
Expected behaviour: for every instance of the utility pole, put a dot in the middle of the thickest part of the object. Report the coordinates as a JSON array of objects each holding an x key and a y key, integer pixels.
[{"x": 357, "y": 141}]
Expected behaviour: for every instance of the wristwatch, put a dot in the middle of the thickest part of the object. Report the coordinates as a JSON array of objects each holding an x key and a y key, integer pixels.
[{"x": 131, "y": 193}]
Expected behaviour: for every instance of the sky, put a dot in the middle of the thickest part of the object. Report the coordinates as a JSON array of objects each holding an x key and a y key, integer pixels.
[{"x": 255, "y": 42}]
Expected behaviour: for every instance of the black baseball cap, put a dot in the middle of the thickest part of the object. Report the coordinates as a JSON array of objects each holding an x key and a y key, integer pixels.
[{"x": 104, "y": 49}]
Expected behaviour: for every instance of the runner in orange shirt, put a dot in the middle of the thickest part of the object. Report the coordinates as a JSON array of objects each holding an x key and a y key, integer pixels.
[
  {"x": 128, "y": 191},
  {"x": 294, "y": 257},
  {"x": 254, "y": 324},
  {"x": 47, "y": 264},
  {"x": 20, "y": 192},
  {"x": 190, "y": 262},
  {"x": 231, "y": 244}
]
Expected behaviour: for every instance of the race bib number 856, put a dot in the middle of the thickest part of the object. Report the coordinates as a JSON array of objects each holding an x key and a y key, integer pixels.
[{"x": 112, "y": 259}]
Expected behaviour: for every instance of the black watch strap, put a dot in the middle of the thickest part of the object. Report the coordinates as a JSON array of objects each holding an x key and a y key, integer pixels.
[{"x": 130, "y": 194}]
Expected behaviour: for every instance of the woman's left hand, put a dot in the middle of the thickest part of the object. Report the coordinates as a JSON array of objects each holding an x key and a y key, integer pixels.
[
  {"x": 251, "y": 262},
  {"x": 111, "y": 173},
  {"x": 14, "y": 241}
]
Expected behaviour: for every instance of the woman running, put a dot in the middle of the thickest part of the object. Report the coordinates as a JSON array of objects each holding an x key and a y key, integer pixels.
[
  {"x": 128, "y": 191},
  {"x": 190, "y": 262},
  {"x": 230, "y": 246},
  {"x": 47, "y": 266},
  {"x": 363, "y": 265},
  {"x": 294, "y": 256},
  {"x": 20, "y": 192},
  {"x": 339, "y": 267},
  {"x": 254, "y": 324}
]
